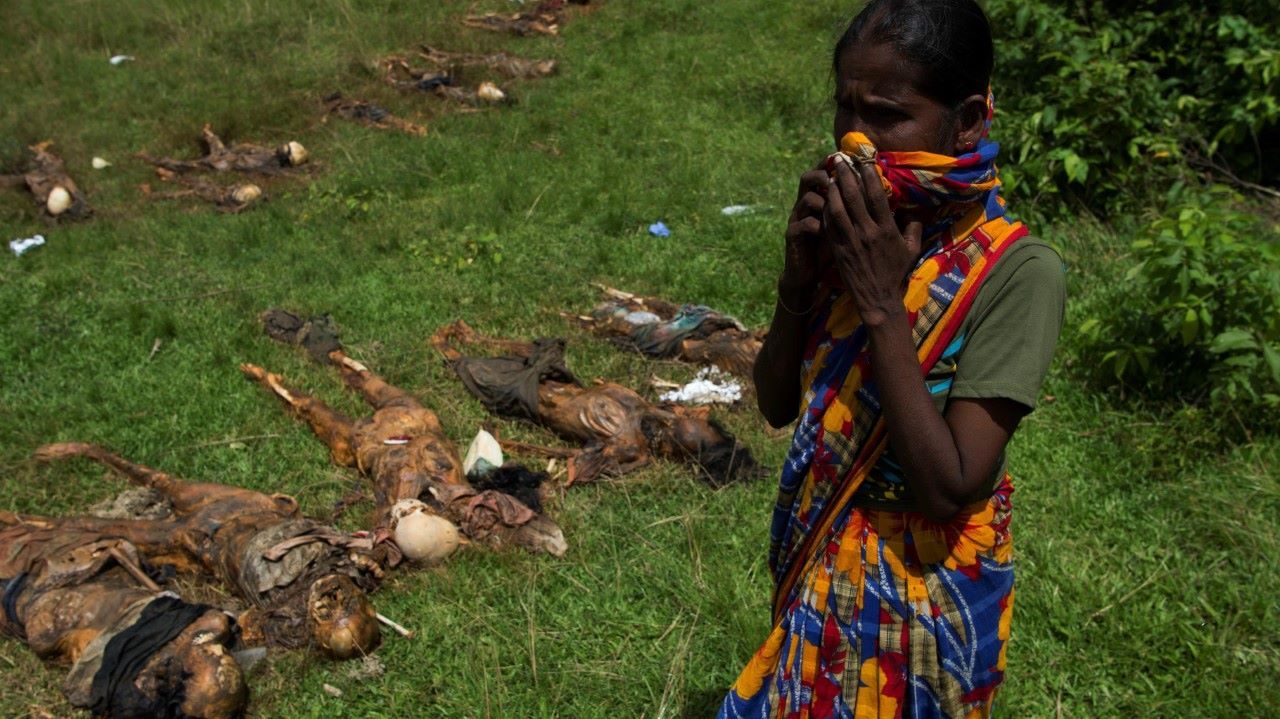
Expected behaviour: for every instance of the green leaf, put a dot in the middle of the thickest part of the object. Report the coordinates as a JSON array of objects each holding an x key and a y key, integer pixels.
[
  {"x": 1273, "y": 361},
  {"x": 1190, "y": 326},
  {"x": 1077, "y": 168},
  {"x": 1233, "y": 340}
]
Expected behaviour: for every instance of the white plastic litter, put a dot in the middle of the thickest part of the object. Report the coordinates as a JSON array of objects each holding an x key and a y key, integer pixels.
[
  {"x": 20, "y": 246},
  {"x": 99, "y": 163},
  {"x": 733, "y": 210},
  {"x": 120, "y": 59},
  {"x": 709, "y": 386},
  {"x": 483, "y": 455},
  {"x": 641, "y": 318}
]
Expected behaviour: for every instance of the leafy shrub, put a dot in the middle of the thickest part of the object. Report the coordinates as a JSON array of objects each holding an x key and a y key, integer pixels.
[
  {"x": 1102, "y": 101},
  {"x": 1198, "y": 316}
]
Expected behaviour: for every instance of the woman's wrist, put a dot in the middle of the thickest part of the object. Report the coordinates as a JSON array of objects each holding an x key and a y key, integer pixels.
[
  {"x": 797, "y": 299},
  {"x": 881, "y": 318}
]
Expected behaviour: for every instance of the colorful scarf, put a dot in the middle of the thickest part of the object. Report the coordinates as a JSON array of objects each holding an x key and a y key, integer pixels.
[{"x": 922, "y": 608}]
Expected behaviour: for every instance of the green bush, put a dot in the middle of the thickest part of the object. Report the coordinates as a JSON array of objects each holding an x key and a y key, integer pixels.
[
  {"x": 1101, "y": 102},
  {"x": 1198, "y": 317}
]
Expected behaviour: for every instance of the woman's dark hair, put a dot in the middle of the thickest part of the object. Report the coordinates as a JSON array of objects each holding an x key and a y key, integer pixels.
[{"x": 949, "y": 39}]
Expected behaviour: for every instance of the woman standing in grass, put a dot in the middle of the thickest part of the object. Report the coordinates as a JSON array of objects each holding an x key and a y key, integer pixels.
[{"x": 914, "y": 325}]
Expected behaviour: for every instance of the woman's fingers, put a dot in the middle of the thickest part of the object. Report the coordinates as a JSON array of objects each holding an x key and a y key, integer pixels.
[
  {"x": 876, "y": 199},
  {"x": 854, "y": 197},
  {"x": 811, "y": 203},
  {"x": 810, "y": 227},
  {"x": 913, "y": 236},
  {"x": 813, "y": 181}
]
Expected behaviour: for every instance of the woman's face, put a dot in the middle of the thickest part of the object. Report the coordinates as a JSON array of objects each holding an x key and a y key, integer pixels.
[{"x": 877, "y": 95}]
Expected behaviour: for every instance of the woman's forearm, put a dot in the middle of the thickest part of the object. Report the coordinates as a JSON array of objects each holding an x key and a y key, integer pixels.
[
  {"x": 777, "y": 368},
  {"x": 922, "y": 441}
]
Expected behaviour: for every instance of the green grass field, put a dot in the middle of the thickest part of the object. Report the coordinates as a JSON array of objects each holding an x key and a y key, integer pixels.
[{"x": 1147, "y": 578}]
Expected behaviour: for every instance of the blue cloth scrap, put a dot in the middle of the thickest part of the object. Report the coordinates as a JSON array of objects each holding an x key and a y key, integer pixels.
[{"x": 659, "y": 229}]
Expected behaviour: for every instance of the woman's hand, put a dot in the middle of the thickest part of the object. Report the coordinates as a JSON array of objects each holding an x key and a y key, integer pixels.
[
  {"x": 873, "y": 257},
  {"x": 802, "y": 268}
]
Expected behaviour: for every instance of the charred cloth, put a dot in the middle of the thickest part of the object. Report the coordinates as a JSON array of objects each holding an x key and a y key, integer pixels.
[{"x": 513, "y": 479}]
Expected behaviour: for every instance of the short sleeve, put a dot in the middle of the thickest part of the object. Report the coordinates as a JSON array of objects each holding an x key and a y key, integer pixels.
[{"x": 1014, "y": 326}]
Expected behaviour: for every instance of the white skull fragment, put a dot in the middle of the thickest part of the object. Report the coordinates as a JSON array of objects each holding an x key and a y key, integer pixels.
[
  {"x": 421, "y": 535},
  {"x": 59, "y": 201}
]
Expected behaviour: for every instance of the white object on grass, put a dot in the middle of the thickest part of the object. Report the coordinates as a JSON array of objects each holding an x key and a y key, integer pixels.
[
  {"x": 710, "y": 386},
  {"x": 58, "y": 201},
  {"x": 99, "y": 163},
  {"x": 733, "y": 210},
  {"x": 641, "y": 317},
  {"x": 246, "y": 193},
  {"x": 296, "y": 153},
  {"x": 121, "y": 59},
  {"x": 490, "y": 92},
  {"x": 483, "y": 455},
  {"x": 20, "y": 246},
  {"x": 421, "y": 535}
]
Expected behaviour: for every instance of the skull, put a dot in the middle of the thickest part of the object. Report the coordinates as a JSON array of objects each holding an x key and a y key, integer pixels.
[
  {"x": 422, "y": 535},
  {"x": 341, "y": 618},
  {"x": 295, "y": 153}
]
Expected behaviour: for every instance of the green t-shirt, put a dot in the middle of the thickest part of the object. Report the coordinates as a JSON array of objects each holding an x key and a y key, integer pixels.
[{"x": 1002, "y": 350}]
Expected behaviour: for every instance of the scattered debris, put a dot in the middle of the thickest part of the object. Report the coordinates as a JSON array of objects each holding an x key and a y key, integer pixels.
[
  {"x": 503, "y": 64},
  {"x": 398, "y": 629},
  {"x": 735, "y": 210},
  {"x": 99, "y": 163},
  {"x": 710, "y": 386},
  {"x": 366, "y": 113},
  {"x": 121, "y": 59},
  {"x": 332, "y": 691},
  {"x": 228, "y": 198},
  {"x": 23, "y": 245},
  {"x": 241, "y": 157},
  {"x": 371, "y": 667},
  {"x": 250, "y": 658},
  {"x": 50, "y": 185},
  {"x": 659, "y": 229}
]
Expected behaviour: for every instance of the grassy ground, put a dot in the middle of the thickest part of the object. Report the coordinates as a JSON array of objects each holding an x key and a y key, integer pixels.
[{"x": 1147, "y": 581}]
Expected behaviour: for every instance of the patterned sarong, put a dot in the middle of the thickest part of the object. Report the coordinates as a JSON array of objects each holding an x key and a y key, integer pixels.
[{"x": 883, "y": 614}]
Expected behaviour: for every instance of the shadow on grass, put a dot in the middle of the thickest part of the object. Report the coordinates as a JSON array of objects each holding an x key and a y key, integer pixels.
[{"x": 703, "y": 703}]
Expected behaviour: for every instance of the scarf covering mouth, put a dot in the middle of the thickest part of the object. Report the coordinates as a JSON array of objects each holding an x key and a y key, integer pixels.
[{"x": 926, "y": 179}]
